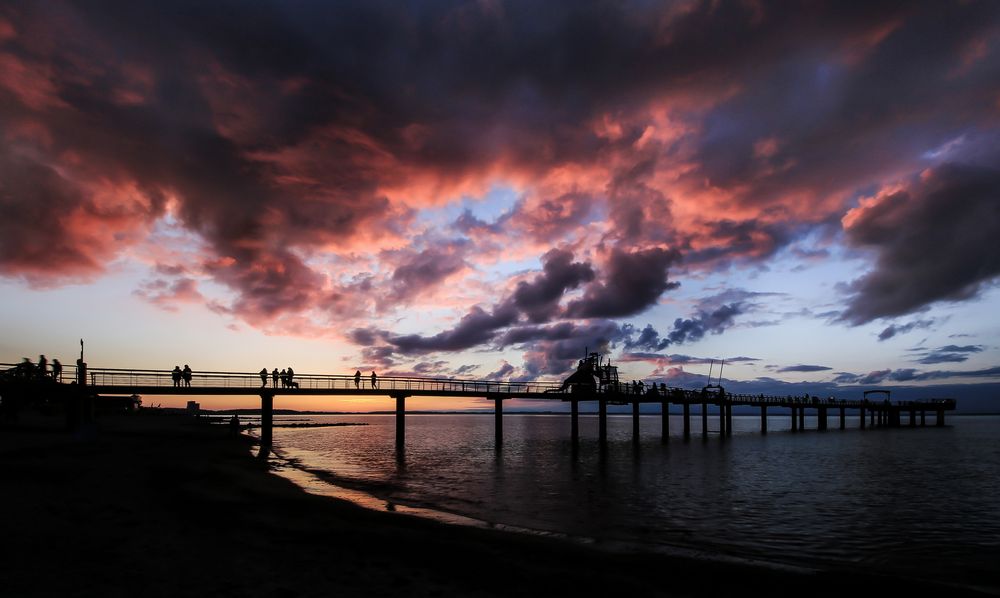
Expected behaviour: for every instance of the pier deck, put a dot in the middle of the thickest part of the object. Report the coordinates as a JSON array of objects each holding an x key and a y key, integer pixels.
[{"x": 86, "y": 383}]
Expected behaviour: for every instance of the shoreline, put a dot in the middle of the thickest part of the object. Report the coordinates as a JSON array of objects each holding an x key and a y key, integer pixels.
[
  {"x": 317, "y": 482},
  {"x": 163, "y": 505}
]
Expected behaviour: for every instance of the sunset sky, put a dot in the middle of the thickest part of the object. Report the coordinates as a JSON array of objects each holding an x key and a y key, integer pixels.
[{"x": 485, "y": 189}]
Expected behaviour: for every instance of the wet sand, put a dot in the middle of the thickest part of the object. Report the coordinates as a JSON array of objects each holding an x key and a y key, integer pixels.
[{"x": 164, "y": 506}]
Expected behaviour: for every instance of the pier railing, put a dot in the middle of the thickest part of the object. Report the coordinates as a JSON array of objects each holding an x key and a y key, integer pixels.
[
  {"x": 124, "y": 379},
  {"x": 113, "y": 377}
]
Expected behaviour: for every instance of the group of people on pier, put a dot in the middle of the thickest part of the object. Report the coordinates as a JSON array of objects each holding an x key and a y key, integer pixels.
[
  {"x": 178, "y": 375},
  {"x": 28, "y": 370},
  {"x": 357, "y": 380},
  {"x": 286, "y": 377}
]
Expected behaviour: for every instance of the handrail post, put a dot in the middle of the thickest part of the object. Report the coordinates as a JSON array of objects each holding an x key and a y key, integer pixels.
[
  {"x": 498, "y": 421},
  {"x": 266, "y": 423},
  {"x": 400, "y": 421}
]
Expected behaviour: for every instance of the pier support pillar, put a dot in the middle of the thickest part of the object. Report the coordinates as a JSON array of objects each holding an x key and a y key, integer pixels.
[
  {"x": 664, "y": 421},
  {"x": 602, "y": 421},
  {"x": 722, "y": 419},
  {"x": 821, "y": 418},
  {"x": 940, "y": 418},
  {"x": 574, "y": 418},
  {"x": 843, "y": 418},
  {"x": 795, "y": 420},
  {"x": 871, "y": 421},
  {"x": 635, "y": 422},
  {"x": 400, "y": 422},
  {"x": 802, "y": 419},
  {"x": 266, "y": 422},
  {"x": 498, "y": 422},
  {"x": 913, "y": 418},
  {"x": 687, "y": 420},
  {"x": 923, "y": 418},
  {"x": 862, "y": 417},
  {"x": 763, "y": 419},
  {"x": 704, "y": 421},
  {"x": 729, "y": 419}
]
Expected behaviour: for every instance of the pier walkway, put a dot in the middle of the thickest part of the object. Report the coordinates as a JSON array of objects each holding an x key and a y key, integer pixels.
[{"x": 711, "y": 401}]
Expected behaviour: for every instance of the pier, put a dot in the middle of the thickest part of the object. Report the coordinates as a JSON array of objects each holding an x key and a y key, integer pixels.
[{"x": 880, "y": 412}]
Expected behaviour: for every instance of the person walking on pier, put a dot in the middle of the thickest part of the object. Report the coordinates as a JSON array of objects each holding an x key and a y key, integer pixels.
[
  {"x": 176, "y": 375},
  {"x": 291, "y": 374},
  {"x": 187, "y": 375},
  {"x": 357, "y": 379},
  {"x": 56, "y": 370},
  {"x": 43, "y": 366},
  {"x": 274, "y": 378},
  {"x": 374, "y": 380},
  {"x": 263, "y": 377}
]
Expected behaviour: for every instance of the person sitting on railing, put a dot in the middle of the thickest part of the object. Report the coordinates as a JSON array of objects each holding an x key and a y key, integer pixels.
[
  {"x": 176, "y": 375},
  {"x": 187, "y": 375}
]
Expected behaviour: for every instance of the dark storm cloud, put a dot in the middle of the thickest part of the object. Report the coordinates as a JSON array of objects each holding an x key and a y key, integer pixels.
[
  {"x": 913, "y": 375},
  {"x": 631, "y": 283},
  {"x": 475, "y": 328},
  {"x": 279, "y": 129},
  {"x": 894, "y": 329},
  {"x": 600, "y": 332},
  {"x": 420, "y": 271},
  {"x": 713, "y": 314},
  {"x": 500, "y": 373},
  {"x": 949, "y": 354},
  {"x": 649, "y": 338},
  {"x": 805, "y": 368},
  {"x": 380, "y": 356},
  {"x": 715, "y": 322},
  {"x": 539, "y": 299},
  {"x": 748, "y": 239},
  {"x": 935, "y": 240}
]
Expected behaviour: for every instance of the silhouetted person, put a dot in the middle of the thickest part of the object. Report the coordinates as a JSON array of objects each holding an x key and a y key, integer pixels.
[
  {"x": 284, "y": 378},
  {"x": 234, "y": 421},
  {"x": 26, "y": 369},
  {"x": 374, "y": 380},
  {"x": 357, "y": 379},
  {"x": 187, "y": 375},
  {"x": 43, "y": 366},
  {"x": 291, "y": 374},
  {"x": 263, "y": 377},
  {"x": 274, "y": 377},
  {"x": 176, "y": 375},
  {"x": 56, "y": 370}
]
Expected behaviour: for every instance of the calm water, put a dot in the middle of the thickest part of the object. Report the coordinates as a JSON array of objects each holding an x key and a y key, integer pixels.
[{"x": 917, "y": 502}]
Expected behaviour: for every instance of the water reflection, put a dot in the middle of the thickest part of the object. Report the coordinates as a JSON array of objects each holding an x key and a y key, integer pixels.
[{"x": 918, "y": 501}]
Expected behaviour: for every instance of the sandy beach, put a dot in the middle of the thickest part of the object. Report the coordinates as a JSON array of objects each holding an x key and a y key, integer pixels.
[{"x": 164, "y": 506}]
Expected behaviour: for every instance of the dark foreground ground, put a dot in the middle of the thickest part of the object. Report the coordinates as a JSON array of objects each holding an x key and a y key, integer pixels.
[{"x": 162, "y": 506}]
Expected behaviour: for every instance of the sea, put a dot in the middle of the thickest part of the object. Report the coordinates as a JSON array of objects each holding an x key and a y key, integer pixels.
[{"x": 919, "y": 502}]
